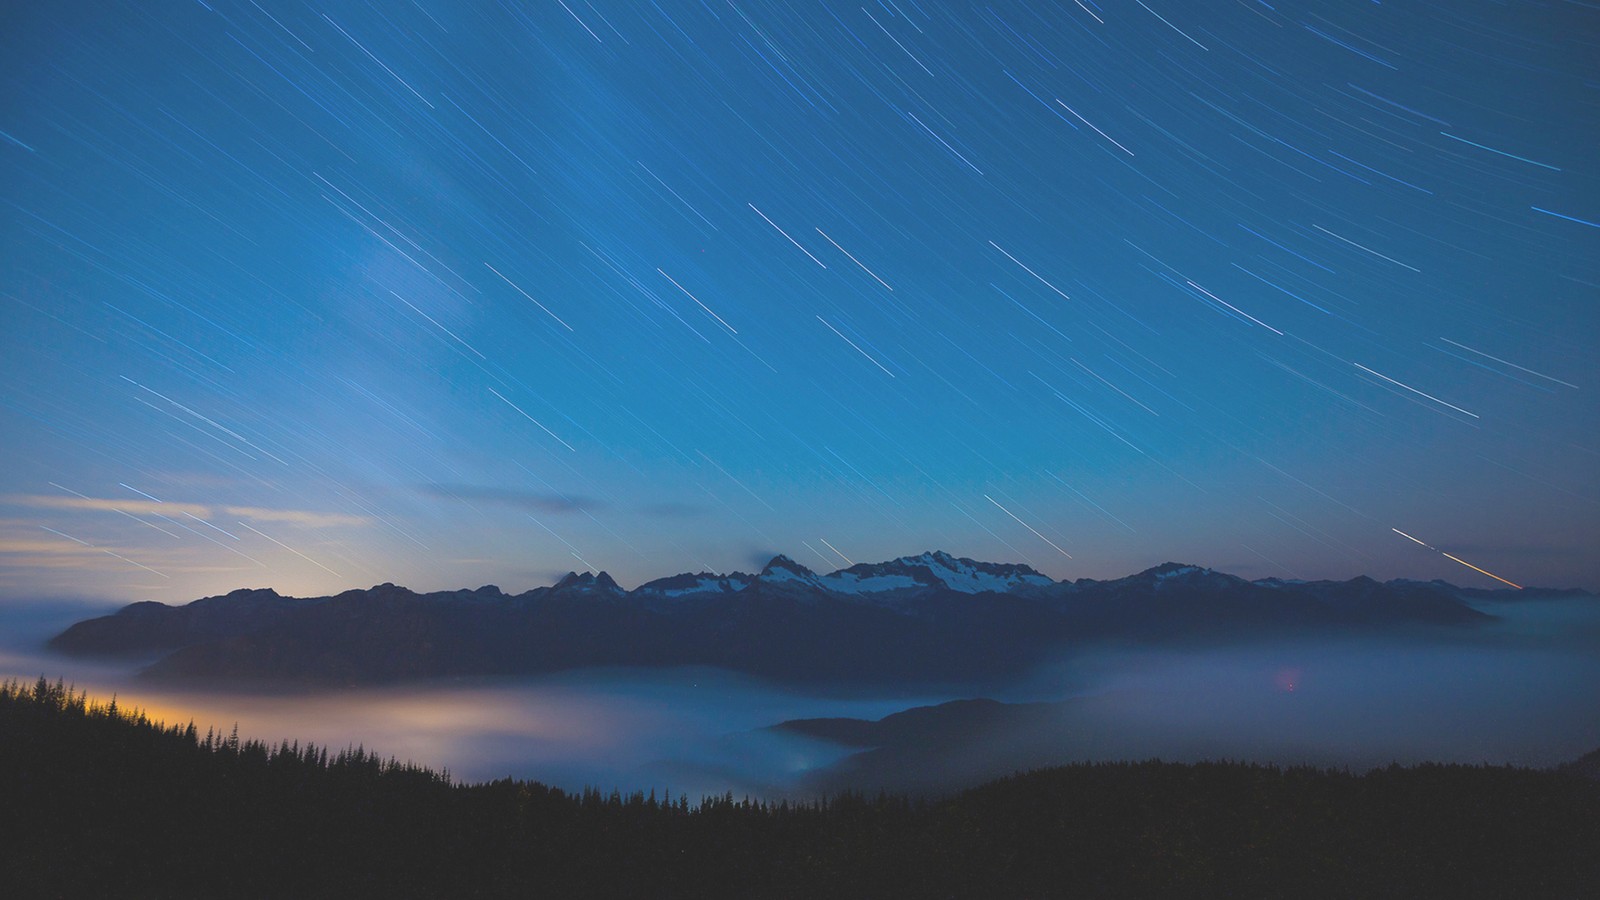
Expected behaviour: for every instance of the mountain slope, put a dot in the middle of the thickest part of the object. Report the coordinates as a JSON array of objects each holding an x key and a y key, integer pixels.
[
  {"x": 104, "y": 803},
  {"x": 927, "y": 618}
]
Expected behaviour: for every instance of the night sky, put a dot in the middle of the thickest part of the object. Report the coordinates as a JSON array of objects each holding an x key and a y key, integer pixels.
[{"x": 319, "y": 295}]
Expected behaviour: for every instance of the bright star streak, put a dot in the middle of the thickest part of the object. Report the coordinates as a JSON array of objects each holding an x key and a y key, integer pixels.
[
  {"x": 120, "y": 512},
  {"x": 533, "y": 420},
  {"x": 294, "y": 551},
  {"x": 1234, "y": 308},
  {"x": 530, "y": 297},
  {"x": 786, "y": 235},
  {"x": 1090, "y": 12},
  {"x": 853, "y": 344},
  {"x": 437, "y": 325},
  {"x": 1027, "y": 526},
  {"x": 853, "y": 259},
  {"x": 1456, "y": 559},
  {"x": 213, "y": 527},
  {"x": 1368, "y": 249},
  {"x": 697, "y": 301},
  {"x": 1511, "y": 364},
  {"x": 1415, "y": 391},
  {"x": 380, "y": 63},
  {"x": 1172, "y": 26},
  {"x": 107, "y": 552},
  {"x": 836, "y": 550},
  {"x": 1030, "y": 271},
  {"x": 1092, "y": 125},
  {"x": 820, "y": 555}
]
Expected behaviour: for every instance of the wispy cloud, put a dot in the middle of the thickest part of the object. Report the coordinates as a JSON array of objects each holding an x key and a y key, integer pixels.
[
  {"x": 42, "y": 545},
  {"x": 296, "y": 516},
  {"x": 109, "y": 504},
  {"x": 305, "y": 518},
  {"x": 45, "y": 552}
]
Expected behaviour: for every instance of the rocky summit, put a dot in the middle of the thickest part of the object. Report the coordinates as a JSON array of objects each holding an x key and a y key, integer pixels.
[{"x": 929, "y": 618}]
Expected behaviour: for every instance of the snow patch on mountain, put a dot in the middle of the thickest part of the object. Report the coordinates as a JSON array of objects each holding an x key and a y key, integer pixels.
[
  {"x": 934, "y": 569},
  {"x": 699, "y": 583},
  {"x": 847, "y": 582},
  {"x": 783, "y": 570}
]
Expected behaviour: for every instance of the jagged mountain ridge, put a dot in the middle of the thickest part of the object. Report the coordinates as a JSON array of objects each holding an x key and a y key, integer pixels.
[
  {"x": 927, "y": 618},
  {"x": 933, "y": 569}
]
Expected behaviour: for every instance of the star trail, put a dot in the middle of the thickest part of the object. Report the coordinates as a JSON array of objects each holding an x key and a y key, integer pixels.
[{"x": 320, "y": 295}]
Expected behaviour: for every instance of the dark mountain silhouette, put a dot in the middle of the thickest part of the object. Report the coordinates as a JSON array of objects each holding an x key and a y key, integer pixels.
[
  {"x": 1585, "y": 766},
  {"x": 928, "y": 618},
  {"x": 935, "y": 749},
  {"x": 922, "y": 725},
  {"x": 1527, "y": 593}
]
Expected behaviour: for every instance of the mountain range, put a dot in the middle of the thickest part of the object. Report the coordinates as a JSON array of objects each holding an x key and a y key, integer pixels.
[{"x": 931, "y": 618}]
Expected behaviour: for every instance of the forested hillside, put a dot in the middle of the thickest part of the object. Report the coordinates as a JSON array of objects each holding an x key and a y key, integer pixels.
[{"x": 100, "y": 801}]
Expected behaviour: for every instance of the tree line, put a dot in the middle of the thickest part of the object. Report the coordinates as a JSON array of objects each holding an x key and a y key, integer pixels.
[{"x": 99, "y": 800}]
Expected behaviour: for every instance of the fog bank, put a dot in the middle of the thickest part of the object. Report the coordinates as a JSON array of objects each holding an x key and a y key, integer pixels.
[{"x": 1524, "y": 690}]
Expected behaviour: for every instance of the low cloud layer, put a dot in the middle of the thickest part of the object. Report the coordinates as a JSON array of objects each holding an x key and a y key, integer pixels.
[
  {"x": 1519, "y": 690},
  {"x": 305, "y": 518}
]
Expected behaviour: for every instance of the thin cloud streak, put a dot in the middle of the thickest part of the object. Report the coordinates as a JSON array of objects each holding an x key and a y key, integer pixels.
[{"x": 306, "y": 518}]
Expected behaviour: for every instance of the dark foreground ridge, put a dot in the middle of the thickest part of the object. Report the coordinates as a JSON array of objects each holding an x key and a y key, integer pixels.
[
  {"x": 932, "y": 618},
  {"x": 101, "y": 802}
]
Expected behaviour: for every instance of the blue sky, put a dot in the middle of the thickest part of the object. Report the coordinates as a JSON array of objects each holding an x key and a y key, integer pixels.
[{"x": 313, "y": 296}]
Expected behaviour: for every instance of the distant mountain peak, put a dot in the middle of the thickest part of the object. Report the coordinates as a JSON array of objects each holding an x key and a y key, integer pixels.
[
  {"x": 588, "y": 582},
  {"x": 935, "y": 569},
  {"x": 1173, "y": 569},
  {"x": 689, "y": 583},
  {"x": 782, "y": 569},
  {"x": 931, "y": 569},
  {"x": 908, "y": 618},
  {"x": 1185, "y": 575},
  {"x": 1178, "y": 572}
]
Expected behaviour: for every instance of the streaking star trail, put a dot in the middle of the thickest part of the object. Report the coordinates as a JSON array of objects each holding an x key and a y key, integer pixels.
[
  {"x": 1456, "y": 559},
  {"x": 440, "y": 292}
]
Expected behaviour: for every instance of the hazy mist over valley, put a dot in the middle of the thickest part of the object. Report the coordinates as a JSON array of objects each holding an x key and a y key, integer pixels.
[
  {"x": 1519, "y": 689},
  {"x": 625, "y": 408}
]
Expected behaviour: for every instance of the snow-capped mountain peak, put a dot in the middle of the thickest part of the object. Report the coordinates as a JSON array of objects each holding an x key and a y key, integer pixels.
[
  {"x": 1174, "y": 570},
  {"x": 934, "y": 569},
  {"x": 783, "y": 569},
  {"x": 696, "y": 583},
  {"x": 1171, "y": 574}
]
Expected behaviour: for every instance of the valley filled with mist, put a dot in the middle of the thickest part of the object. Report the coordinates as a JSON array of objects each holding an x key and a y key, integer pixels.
[{"x": 1516, "y": 685}]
